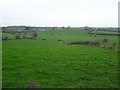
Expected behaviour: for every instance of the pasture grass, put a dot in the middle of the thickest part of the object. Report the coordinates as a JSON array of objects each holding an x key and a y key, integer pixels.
[
  {"x": 54, "y": 64},
  {"x": 9, "y": 36},
  {"x": 105, "y": 32}
]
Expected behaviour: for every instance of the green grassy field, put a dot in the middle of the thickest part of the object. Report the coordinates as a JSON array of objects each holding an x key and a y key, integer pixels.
[
  {"x": 106, "y": 32},
  {"x": 53, "y": 64},
  {"x": 9, "y": 36}
]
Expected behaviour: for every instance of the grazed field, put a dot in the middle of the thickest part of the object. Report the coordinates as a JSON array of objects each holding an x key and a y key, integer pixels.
[
  {"x": 106, "y": 32},
  {"x": 51, "y": 63},
  {"x": 110, "y": 33}
]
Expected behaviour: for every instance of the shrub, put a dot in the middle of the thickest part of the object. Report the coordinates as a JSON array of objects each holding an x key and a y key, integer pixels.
[
  {"x": 59, "y": 40},
  {"x": 43, "y": 39},
  {"x": 105, "y": 40},
  {"x": 109, "y": 48},
  {"x": 35, "y": 34},
  {"x": 17, "y": 36}
]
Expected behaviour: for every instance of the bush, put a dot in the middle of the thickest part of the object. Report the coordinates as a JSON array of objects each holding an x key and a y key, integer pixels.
[
  {"x": 24, "y": 37},
  {"x": 43, "y": 39},
  {"x": 59, "y": 40},
  {"x": 17, "y": 36},
  {"x": 105, "y": 40},
  {"x": 35, "y": 34}
]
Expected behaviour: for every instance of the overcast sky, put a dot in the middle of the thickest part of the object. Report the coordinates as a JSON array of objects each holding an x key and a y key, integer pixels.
[{"x": 97, "y": 13}]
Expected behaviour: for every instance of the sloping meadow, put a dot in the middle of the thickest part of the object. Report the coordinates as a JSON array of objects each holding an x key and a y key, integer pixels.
[{"x": 50, "y": 62}]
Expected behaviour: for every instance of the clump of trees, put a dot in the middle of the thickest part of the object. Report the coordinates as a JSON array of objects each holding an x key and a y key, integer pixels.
[
  {"x": 21, "y": 35},
  {"x": 19, "y": 32},
  {"x": 31, "y": 35}
]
